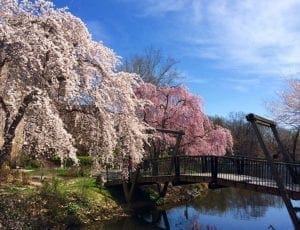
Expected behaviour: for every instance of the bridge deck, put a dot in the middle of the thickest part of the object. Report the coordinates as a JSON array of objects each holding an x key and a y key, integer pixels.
[
  {"x": 238, "y": 181},
  {"x": 252, "y": 174}
]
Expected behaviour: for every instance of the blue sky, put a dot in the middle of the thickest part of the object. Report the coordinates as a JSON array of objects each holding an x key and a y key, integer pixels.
[{"x": 234, "y": 54}]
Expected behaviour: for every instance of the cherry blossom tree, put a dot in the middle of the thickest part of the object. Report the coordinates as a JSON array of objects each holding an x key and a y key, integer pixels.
[
  {"x": 286, "y": 109},
  {"x": 177, "y": 109},
  {"x": 64, "y": 87}
]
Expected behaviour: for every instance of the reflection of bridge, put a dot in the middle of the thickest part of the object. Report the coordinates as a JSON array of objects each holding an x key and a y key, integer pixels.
[{"x": 269, "y": 176}]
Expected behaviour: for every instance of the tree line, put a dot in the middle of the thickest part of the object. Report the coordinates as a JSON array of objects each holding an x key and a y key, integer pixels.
[{"x": 245, "y": 140}]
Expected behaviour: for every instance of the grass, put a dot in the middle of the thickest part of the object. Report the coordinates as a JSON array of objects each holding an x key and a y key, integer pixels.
[
  {"x": 17, "y": 189},
  {"x": 61, "y": 172},
  {"x": 61, "y": 195},
  {"x": 76, "y": 200},
  {"x": 64, "y": 181},
  {"x": 86, "y": 188},
  {"x": 70, "y": 172}
]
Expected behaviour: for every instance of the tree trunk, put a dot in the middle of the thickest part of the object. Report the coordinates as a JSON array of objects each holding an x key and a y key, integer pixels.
[
  {"x": 10, "y": 129},
  {"x": 295, "y": 141}
]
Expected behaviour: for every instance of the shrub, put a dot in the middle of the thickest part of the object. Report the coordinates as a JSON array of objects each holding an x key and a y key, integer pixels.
[
  {"x": 76, "y": 171},
  {"x": 68, "y": 162},
  {"x": 28, "y": 162},
  {"x": 85, "y": 161},
  {"x": 52, "y": 188},
  {"x": 55, "y": 160},
  {"x": 73, "y": 171}
]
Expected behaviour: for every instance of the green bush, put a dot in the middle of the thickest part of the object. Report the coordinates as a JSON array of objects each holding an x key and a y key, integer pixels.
[
  {"x": 82, "y": 154},
  {"x": 28, "y": 162},
  {"x": 57, "y": 202},
  {"x": 68, "y": 162},
  {"x": 76, "y": 171},
  {"x": 85, "y": 161},
  {"x": 32, "y": 164},
  {"x": 72, "y": 208},
  {"x": 73, "y": 171},
  {"x": 52, "y": 188},
  {"x": 55, "y": 160}
]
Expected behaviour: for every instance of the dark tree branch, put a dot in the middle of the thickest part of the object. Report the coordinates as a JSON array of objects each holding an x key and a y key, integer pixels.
[
  {"x": 7, "y": 114},
  {"x": 2, "y": 63}
]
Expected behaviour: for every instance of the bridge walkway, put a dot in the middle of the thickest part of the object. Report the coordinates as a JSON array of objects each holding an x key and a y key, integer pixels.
[{"x": 218, "y": 171}]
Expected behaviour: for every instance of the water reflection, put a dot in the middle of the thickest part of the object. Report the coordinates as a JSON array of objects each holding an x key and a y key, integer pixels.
[
  {"x": 241, "y": 204},
  {"x": 218, "y": 209}
]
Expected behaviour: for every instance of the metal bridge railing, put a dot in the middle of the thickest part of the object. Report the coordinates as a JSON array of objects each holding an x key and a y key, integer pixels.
[
  {"x": 247, "y": 170},
  {"x": 157, "y": 167},
  {"x": 255, "y": 171}
]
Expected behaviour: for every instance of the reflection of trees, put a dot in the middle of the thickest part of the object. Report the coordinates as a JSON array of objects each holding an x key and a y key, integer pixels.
[
  {"x": 126, "y": 224},
  {"x": 160, "y": 219},
  {"x": 187, "y": 218},
  {"x": 240, "y": 203},
  {"x": 154, "y": 217}
]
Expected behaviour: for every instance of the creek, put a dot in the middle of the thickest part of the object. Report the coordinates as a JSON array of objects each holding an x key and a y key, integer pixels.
[{"x": 226, "y": 208}]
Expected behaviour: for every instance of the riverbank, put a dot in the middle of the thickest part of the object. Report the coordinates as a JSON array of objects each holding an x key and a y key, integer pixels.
[
  {"x": 57, "y": 200},
  {"x": 55, "y": 203},
  {"x": 184, "y": 194}
]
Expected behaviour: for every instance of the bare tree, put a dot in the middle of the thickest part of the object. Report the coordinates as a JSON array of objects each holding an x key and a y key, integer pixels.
[
  {"x": 153, "y": 67},
  {"x": 244, "y": 139}
]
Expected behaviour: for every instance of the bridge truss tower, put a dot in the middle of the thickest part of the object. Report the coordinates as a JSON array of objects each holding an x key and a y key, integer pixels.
[{"x": 256, "y": 120}]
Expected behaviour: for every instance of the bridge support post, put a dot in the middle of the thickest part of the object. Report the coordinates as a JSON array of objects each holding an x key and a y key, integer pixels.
[
  {"x": 162, "y": 191},
  {"x": 214, "y": 168},
  {"x": 240, "y": 164},
  {"x": 155, "y": 167},
  {"x": 243, "y": 166},
  {"x": 129, "y": 191},
  {"x": 213, "y": 184},
  {"x": 177, "y": 166},
  {"x": 204, "y": 164}
]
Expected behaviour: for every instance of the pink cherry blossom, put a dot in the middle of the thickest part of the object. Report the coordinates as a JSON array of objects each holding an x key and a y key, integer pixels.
[{"x": 177, "y": 109}]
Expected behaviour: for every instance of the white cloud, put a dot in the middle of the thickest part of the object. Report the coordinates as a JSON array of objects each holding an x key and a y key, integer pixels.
[
  {"x": 97, "y": 30},
  {"x": 242, "y": 85},
  {"x": 160, "y": 8},
  {"x": 257, "y": 36},
  {"x": 195, "y": 80}
]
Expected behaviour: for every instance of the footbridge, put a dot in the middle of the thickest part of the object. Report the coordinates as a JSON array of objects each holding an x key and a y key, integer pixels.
[
  {"x": 265, "y": 175},
  {"x": 217, "y": 171}
]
